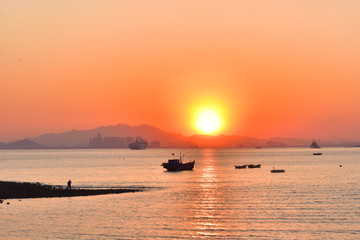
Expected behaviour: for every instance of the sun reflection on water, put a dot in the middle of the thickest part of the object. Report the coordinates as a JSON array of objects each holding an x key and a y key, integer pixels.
[{"x": 209, "y": 202}]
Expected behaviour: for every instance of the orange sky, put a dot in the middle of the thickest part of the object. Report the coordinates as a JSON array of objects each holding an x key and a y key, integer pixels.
[{"x": 275, "y": 68}]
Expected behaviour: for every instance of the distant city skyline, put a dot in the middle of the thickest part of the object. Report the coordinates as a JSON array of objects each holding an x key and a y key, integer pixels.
[{"x": 248, "y": 68}]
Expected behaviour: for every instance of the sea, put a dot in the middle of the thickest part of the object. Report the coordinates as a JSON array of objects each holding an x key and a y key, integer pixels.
[{"x": 318, "y": 197}]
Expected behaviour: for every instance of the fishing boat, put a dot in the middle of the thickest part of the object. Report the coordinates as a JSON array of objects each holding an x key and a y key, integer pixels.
[
  {"x": 240, "y": 166},
  {"x": 277, "y": 170},
  {"x": 254, "y": 166},
  {"x": 176, "y": 164}
]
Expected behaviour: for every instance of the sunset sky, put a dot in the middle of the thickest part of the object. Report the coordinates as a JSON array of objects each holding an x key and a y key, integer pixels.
[{"x": 267, "y": 68}]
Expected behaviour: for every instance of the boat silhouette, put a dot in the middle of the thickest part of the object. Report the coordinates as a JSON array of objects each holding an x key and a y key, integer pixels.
[
  {"x": 240, "y": 166},
  {"x": 254, "y": 166},
  {"x": 138, "y": 145},
  {"x": 277, "y": 170},
  {"x": 176, "y": 164}
]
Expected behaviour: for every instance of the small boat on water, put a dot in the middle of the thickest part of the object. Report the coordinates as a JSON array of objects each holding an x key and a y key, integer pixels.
[
  {"x": 176, "y": 164},
  {"x": 240, "y": 166},
  {"x": 254, "y": 166},
  {"x": 277, "y": 170},
  {"x": 319, "y": 153}
]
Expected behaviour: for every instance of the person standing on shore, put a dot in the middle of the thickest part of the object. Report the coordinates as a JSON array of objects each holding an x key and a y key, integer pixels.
[{"x": 69, "y": 184}]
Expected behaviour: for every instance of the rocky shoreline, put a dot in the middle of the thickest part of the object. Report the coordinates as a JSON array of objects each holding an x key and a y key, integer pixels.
[{"x": 18, "y": 190}]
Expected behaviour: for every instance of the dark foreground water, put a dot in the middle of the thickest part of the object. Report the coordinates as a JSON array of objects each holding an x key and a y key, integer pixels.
[{"x": 314, "y": 199}]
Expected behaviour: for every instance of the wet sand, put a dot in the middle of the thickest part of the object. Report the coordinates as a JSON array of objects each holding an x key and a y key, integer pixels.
[{"x": 11, "y": 190}]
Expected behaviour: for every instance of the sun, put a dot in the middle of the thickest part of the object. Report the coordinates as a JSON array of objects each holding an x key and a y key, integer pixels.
[{"x": 208, "y": 121}]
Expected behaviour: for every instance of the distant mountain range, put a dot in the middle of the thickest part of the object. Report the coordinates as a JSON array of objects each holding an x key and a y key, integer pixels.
[
  {"x": 22, "y": 144},
  {"x": 80, "y": 139}
]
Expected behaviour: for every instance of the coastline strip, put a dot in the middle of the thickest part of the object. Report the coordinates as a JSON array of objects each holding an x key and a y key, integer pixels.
[{"x": 14, "y": 190}]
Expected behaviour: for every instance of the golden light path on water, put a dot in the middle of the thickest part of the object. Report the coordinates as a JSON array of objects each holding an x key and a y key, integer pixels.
[{"x": 209, "y": 200}]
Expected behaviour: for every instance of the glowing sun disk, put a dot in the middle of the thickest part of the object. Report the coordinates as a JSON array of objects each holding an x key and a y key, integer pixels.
[{"x": 208, "y": 121}]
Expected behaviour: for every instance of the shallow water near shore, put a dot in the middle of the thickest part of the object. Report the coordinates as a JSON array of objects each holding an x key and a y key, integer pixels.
[{"x": 314, "y": 199}]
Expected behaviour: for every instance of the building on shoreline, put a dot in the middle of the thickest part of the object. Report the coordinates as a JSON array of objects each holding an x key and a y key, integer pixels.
[{"x": 96, "y": 142}]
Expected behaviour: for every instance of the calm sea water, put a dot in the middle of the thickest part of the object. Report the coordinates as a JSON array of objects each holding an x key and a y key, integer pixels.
[{"x": 314, "y": 199}]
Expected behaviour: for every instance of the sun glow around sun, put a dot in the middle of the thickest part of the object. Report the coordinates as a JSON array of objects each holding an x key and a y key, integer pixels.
[{"x": 208, "y": 121}]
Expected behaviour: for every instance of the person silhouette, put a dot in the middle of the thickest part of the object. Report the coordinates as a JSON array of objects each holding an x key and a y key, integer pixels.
[{"x": 69, "y": 184}]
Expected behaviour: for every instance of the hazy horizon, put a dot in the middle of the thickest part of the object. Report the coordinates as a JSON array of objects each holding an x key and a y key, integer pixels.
[
  {"x": 267, "y": 68},
  {"x": 105, "y": 133}
]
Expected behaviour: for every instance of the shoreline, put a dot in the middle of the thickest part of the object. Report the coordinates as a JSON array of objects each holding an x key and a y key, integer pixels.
[{"x": 21, "y": 190}]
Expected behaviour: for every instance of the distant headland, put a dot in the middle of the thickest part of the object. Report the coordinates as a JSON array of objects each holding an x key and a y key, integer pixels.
[{"x": 119, "y": 136}]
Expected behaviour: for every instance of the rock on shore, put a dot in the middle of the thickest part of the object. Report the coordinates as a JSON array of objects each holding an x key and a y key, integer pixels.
[{"x": 10, "y": 190}]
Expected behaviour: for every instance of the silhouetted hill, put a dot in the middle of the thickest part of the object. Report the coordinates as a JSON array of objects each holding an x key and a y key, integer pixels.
[
  {"x": 22, "y": 144},
  {"x": 80, "y": 138}
]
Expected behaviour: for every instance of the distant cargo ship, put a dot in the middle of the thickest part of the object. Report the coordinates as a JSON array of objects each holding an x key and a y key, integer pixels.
[
  {"x": 314, "y": 144},
  {"x": 138, "y": 145}
]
